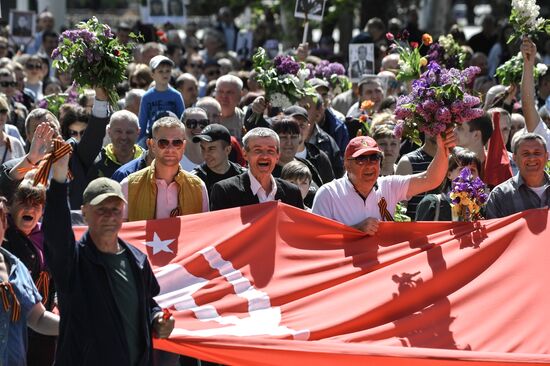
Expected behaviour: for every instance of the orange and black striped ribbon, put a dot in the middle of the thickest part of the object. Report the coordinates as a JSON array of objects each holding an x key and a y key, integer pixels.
[
  {"x": 384, "y": 213},
  {"x": 60, "y": 149},
  {"x": 6, "y": 290},
  {"x": 43, "y": 285},
  {"x": 175, "y": 212}
]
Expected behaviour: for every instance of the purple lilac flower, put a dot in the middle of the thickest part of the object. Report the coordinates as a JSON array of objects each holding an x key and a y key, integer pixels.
[
  {"x": 311, "y": 69},
  {"x": 470, "y": 100},
  {"x": 443, "y": 114},
  {"x": 87, "y": 36},
  {"x": 336, "y": 68},
  {"x": 55, "y": 53},
  {"x": 470, "y": 73},
  {"x": 286, "y": 65},
  {"x": 43, "y": 103},
  {"x": 107, "y": 31},
  {"x": 398, "y": 129}
]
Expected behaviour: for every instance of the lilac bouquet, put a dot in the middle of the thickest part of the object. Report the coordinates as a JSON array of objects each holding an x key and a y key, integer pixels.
[
  {"x": 94, "y": 56},
  {"x": 438, "y": 100},
  {"x": 468, "y": 196},
  {"x": 526, "y": 21},
  {"x": 334, "y": 73},
  {"x": 284, "y": 80}
]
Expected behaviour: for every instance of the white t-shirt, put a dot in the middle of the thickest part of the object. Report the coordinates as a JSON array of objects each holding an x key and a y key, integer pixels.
[
  {"x": 543, "y": 130},
  {"x": 539, "y": 190},
  {"x": 338, "y": 200}
]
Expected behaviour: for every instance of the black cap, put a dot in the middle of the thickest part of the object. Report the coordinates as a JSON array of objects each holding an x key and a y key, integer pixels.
[
  {"x": 296, "y": 111},
  {"x": 213, "y": 132}
]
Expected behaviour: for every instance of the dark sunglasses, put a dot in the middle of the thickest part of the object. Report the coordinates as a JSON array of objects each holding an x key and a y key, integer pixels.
[
  {"x": 74, "y": 133},
  {"x": 33, "y": 66},
  {"x": 3, "y": 46},
  {"x": 7, "y": 84},
  {"x": 213, "y": 72},
  {"x": 193, "y": 123},
  {"x": 164, "y": 143},
  {"x": 4, "y": 111},
  {"x": 362, "y": 159}
]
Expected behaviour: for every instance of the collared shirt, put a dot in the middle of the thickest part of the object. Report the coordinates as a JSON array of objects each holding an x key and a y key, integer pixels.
[
  {"x": 338, "y": 200},
  {"x": 514, "y": 196},
  {"x": 258, "y": 190},
  {"x": 13, "y": 335},
  {"x": 167, "y": 198}
]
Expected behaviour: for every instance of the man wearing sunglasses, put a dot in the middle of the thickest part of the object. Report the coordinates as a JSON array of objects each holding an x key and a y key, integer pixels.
[
  {"x": 164, "y": 189},
  {"x": 362, "y": 198},
  {"x": 195, "y": 119}
]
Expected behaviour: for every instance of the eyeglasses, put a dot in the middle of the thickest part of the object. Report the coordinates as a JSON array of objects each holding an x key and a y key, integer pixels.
[
  {"x": 4, "y": 111},
  {"x": 195, "y": 65},
  {"x": 213, "y": 73},
  {"x": 164, "y": 143},
  {"x": 193, "y": 123},
  {"x": 33, "y": 66},
  {"x": 7, "y": 84},
  {"x": 363, "y": 159},
  {"x": 75, "y": 133}
]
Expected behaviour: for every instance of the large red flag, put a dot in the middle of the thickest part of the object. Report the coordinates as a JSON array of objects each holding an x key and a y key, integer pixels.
[
  {"x": 497, "y": 165},
  {"x": 270, "y": 284}
]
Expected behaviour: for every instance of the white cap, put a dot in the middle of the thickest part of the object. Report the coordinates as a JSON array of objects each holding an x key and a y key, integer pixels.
[{"x": 159, "y": 59}]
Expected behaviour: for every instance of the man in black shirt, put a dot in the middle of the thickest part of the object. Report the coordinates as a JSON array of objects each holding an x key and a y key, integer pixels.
[{"x": 215, "y": 141}]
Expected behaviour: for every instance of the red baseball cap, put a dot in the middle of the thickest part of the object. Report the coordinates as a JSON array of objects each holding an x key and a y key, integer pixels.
[{"x": 361, "y": 145}]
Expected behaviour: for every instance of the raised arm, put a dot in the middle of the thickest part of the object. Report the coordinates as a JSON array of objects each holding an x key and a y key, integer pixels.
[
  {"x": 59, "y": 241},
  {"x": 434, "y": 175},
  {"x": 529, "y": 51},
  {"x": 89, "y": 146}
]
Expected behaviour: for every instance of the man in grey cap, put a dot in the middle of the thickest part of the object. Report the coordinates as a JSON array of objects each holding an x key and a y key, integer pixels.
[
  {"x": 105, "y": 285},
  {"x": 215, "y": 141}
]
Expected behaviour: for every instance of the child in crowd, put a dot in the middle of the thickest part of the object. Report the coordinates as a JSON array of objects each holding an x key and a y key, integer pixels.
[
  {"x": 298, "y": 173},
  {"x": 161, "y": 98}
]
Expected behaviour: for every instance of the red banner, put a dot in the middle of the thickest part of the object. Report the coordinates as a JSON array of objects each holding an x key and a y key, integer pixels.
[{"x": 274, "y": 285}]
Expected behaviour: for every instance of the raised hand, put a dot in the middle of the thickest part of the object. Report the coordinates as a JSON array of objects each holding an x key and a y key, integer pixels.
[
  {"x": 528, "y": 50},
  {"x": 41, "y": 142}
]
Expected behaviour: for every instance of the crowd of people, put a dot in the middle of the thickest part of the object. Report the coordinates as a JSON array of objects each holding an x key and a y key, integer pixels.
[{"x": 193, "y": 132}]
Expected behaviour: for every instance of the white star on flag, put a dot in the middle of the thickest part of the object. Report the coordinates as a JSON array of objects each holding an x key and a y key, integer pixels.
[{"x": 159, "y": 245}]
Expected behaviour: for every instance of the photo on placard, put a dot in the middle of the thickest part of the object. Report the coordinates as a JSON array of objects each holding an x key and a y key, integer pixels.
[
  {"x": 22, "y": 25},
  {"x": 313, "y": 8},
  {"x": 164, "y": 11},
  {"x": 361, "y": 60},
  {"x": 244, "y": 45}
]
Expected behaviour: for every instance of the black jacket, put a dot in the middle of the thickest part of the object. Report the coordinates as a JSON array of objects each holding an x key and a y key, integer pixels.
[
  {"x": 236, "y": 192},
  {"x": 82, "y": 158},
  {"x": 320, "y": 160},
  {"x": 91, "y": 329},
  {"x": 210, "y": 178}
]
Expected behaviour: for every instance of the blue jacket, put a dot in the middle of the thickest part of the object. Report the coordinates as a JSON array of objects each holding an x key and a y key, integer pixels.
[
  {"x": 91, "y": 329},
  {"x": 337, "y": 129}
]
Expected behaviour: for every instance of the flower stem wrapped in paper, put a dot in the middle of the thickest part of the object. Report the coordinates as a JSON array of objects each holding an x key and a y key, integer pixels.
[
  {"x": 438, "y": 101},
  {"x": 284, "y": 80},
  {"x": 468, "y": 196},
  {"x": 526, "y": 21},
  {"x": 511, "y": 71},
  {"x": 94, "y": 56}
]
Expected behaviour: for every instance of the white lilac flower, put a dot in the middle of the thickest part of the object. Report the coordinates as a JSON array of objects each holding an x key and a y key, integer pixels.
[
  {"x": 541, "y": 69},
  {"x": 279, "y": 100}
]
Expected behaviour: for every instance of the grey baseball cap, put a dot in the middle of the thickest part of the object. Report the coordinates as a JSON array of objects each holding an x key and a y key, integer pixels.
[{"x": 100, "y": 189}]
